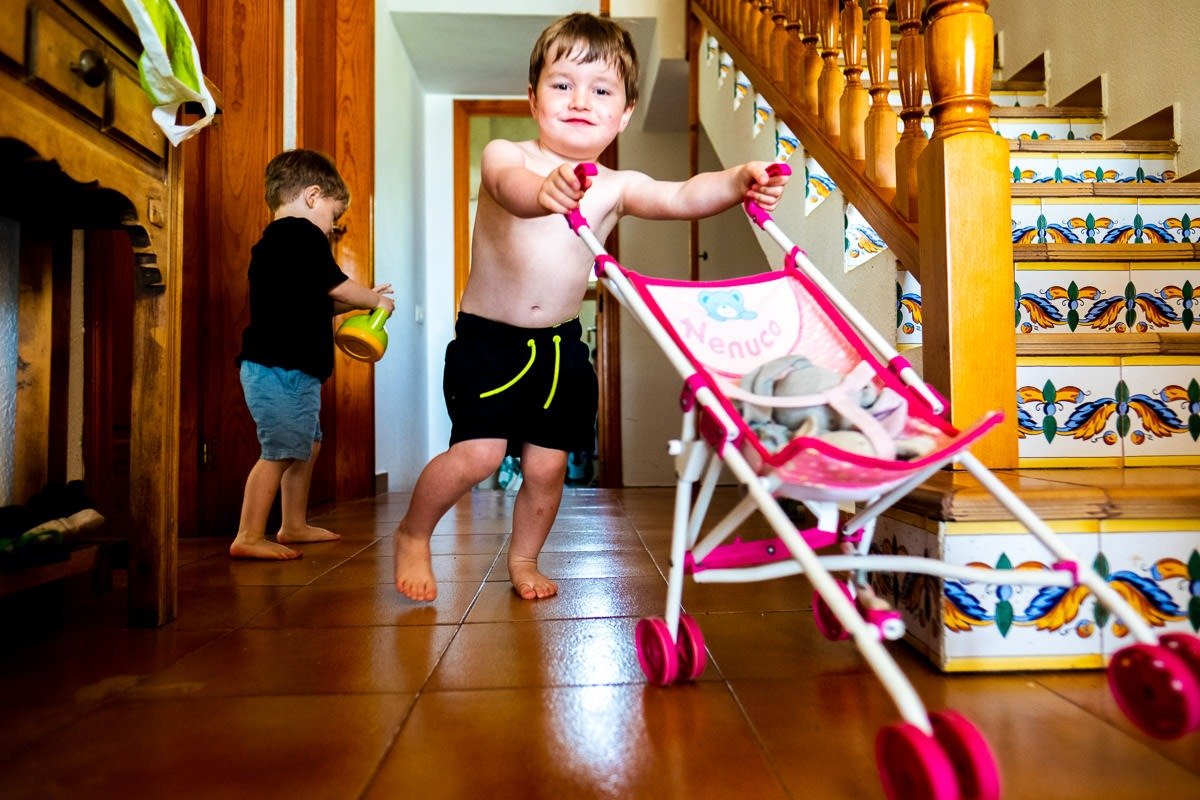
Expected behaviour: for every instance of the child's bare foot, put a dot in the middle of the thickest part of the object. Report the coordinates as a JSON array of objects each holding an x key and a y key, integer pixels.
[
  {"x": 263, "y": 549},
  {"x": 306, "y": 534},
  {"x": 528, "y": 582},
  {"x": 414, "y": 566}
]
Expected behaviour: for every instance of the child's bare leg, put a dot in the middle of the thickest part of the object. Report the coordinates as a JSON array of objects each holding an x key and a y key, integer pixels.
[
  {"x": 444, "y": 480},
  {"x": 542, "y": 472},
  {"x": 293, "y": 487},
  {"x": 251, "y": 542}
]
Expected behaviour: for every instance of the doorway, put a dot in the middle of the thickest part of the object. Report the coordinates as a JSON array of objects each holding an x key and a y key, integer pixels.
[{"x": 476, "y": 122}]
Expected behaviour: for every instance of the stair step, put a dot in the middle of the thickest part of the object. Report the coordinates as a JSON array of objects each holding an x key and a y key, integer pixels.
[
  {"x": 1056, "y": 251},
  {"x": 1081, "y": 493},
  {"x": 1046, "y": 112},
  {"x": 1082, "y": 345},
  {"x": 1190, "y": 191},
  {"x": 1153, "y": 146}
]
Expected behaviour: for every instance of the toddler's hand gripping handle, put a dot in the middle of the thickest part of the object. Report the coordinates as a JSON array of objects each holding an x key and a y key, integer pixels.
[
  {"x": 583, "y": 171},
  {"x": 753, "y": 209}
]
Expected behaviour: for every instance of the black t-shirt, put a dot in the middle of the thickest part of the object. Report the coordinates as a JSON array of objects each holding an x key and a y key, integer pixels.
[{"x": 292, "y": 270}]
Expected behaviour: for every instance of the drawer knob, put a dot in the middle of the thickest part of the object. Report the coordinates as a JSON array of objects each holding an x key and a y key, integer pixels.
[{"x": 90, "y": 68}]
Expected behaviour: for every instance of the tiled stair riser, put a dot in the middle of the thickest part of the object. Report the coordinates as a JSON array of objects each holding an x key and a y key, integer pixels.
[
  {"x": 1000, "y": 98},
  {"x": 1048, "y": 128},
  {"x": 1105, "y": 220},
  {"x": 1108, "y": 411},
  {"x": 1107, "y": 297},
  {"x": 1030, "y": 167},
  {"x": 977, "y": 627}
]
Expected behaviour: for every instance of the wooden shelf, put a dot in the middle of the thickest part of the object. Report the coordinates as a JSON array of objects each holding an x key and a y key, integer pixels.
[{"x": 82, "y": 560}]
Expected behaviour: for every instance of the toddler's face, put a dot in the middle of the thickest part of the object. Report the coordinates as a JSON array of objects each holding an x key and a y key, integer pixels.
[
  {"x": 326, "y": 211},
  {"x": 579, "y": 108}
]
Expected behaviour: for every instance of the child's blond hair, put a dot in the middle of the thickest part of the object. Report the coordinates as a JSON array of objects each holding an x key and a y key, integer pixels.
[{"x": 587, "y": 38}]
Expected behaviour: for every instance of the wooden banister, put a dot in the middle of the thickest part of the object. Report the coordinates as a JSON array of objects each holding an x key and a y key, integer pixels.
[
  {"x": 829, "y": 88},
  {"x": 854, "y": 100},
  {"x": 882, "y": 122},
  {"x": 809, "y": 39},
  {"x": 910, "y": 58}
]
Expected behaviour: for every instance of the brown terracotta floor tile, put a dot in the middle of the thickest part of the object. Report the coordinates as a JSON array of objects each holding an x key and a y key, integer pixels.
[
  {"x": 340, "y": 606},
  {"x": 577, "y": 598},
  {"x": 604, "y": 742},
  {"x": 261, "y": 747},
  {"x": 363, "y": 570}
]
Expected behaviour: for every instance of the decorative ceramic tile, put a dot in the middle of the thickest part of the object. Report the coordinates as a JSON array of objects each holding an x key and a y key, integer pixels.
[
  {"x": 1065, "y": 411},
  {"x": 1001, "y": 621},
  {"x": 1154, "y": 568},
  {"x": 1157, "y": 409},
  {"x": 1169, "y": 219},
  {"x": 786, "y": 142},
  {"x": 1034, "y": 167},
  {"x": 762, "y": 113},
  {"x": 1167, "y": 296},
  {"x": 1040, "y": 129},
  {"x": 1026, "y": 211},
  {"x": 1157, "y": 167},
  {"x": 741, "y": 88},
  {"x": 712, "y": 50},
  {"x": 861, "y": 242},
  {"x": 1080, "y": 220},
  {"x": 725, "y": 69},
  {"x": 1076, "y": 300},
  {"x": 908, "y": 309},
  {"x": 817, "y": 185},
  {"x": 1097, "y": 167},
  {"x": 1010, "y": 98}
]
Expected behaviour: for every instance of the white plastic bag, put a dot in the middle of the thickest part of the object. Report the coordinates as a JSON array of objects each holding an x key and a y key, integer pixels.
[{"x": 170, "y": 66}]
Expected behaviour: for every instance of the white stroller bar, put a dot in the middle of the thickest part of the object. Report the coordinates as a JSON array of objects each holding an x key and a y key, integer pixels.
[{"x": 1156, "y": 681}]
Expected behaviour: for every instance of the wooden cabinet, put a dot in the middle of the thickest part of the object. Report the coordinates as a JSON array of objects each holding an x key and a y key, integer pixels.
[{"x": 69, "y": 95}]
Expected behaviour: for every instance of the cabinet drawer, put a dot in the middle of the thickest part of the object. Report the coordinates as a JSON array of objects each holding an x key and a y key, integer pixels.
[
  {"x": 12, "y": 34},
  {"x": 131, "y": 111},
  {"x": 58, "y": 43}
]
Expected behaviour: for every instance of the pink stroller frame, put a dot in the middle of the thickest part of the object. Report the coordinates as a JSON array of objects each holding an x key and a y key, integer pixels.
[{"x": 714, "y": 333}]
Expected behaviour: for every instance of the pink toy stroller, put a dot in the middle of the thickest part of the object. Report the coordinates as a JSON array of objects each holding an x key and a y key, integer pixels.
[{"x": 716, "y": 333}]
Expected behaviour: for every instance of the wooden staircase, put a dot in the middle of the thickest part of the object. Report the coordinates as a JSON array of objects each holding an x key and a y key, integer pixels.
[{"x": 1107, "y": 355}]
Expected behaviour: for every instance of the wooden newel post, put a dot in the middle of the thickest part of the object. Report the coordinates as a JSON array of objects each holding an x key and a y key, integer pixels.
[
  {"x": 832, "y": 82},
  {"x": 882, "y": 122},
  {"x": 910, "y": 64},
  {"x": 966, "y": 271},
  {"x": 853, "y": 104}
]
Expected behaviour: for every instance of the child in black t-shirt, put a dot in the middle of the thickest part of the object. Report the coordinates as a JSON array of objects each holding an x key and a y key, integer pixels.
[{"x": 296, "y": 287}]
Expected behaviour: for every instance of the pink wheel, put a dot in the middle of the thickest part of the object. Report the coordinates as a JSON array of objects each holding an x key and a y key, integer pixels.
[
  {"x": 1157, "y": 689},
  {"x": 690, "y": 649},
  {"x": 827, "y": 622},
  {"x": 972, "y": 759},
  {"x": 656, "y": 651},
  {"x": 913, "y": 765},
  {"x": 1184, "y": 645}
]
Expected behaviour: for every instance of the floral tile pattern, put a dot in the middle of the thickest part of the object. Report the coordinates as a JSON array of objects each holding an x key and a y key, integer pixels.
[
  {"x": 762, "y": 113},
  {"x": 1049, "y": 128},
  {"x": 817, "y": 185},
  {"x": 1065, "y": 412},
  {"x": 786, "y": 142},
  {"x": 861, "y": 242},
  {"x": 908, "y": 310},
  {"x": 962, "y": 625},
  {"x": 1028, "y": 167},
  {"x": 1067, "y": 300},
  {"x": 1160, "y": 416}
]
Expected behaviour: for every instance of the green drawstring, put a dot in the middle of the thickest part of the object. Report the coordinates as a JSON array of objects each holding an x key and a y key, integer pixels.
[
  {"x": 554, "y": 383},
  {"x": 521, "y": 374}
]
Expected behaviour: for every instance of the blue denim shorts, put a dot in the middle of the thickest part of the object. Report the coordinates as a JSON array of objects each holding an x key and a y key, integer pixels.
[{"x": 286, "y": 407}]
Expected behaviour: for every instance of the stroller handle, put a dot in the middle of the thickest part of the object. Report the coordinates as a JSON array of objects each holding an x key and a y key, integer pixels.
[
  {"x": 583, "y": 171},
  {"x": 753, "y": 209}
]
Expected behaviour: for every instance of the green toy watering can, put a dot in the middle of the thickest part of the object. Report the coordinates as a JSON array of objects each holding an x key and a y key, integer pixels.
[{"x": 362, "y": 336}]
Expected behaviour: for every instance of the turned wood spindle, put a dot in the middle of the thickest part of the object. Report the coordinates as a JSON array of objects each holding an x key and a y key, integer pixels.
[
  {"x": 882, "y": 122},
  {"x": 832, "y": 81},
  {"x": 778, "y": 43},
  {"x": 811, "y": 66},
  {"x": 910, "y": 58},
  {"x": 793, "y": 51},
  {"x": 959, "y": 61},
  {"x": 853, "y": 103}
]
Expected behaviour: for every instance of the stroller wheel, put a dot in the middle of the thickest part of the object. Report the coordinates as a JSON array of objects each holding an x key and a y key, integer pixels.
[
  {"x": 1157, "y": 689},
  {"x": 690, "y": 649},
  {"x": 913, "y": 765},
  {"x": 656, "y": 651},
  {"x": 1186, "y": 646},
  {"x": 972, "y": 759},
  {"x": 827, "y": 622}
]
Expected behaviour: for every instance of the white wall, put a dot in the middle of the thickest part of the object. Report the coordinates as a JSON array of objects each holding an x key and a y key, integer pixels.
[
  {"x": 402, "y": 377},
  {"x": 1143, "y": 51}
]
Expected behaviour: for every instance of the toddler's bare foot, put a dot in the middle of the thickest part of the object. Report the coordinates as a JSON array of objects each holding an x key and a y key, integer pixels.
[
  {"x": 528, "y": 582},
  {"x": 306, "y": 534},
  {"x": 414, "y": 566},
  {"x": 263, "y": 549}
]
